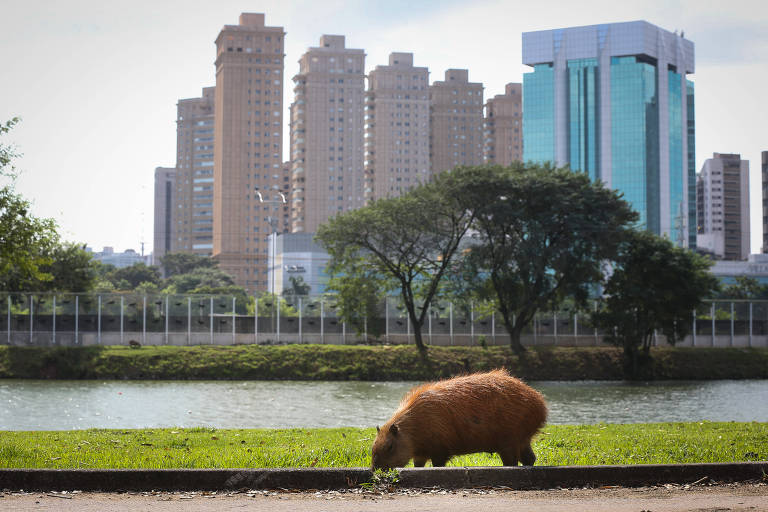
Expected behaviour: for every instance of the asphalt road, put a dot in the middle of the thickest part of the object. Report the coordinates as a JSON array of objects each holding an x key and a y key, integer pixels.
[{"x": 667, "y": 498}]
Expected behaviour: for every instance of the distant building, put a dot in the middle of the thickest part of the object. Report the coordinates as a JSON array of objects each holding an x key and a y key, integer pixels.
[
  {"x": 456, "y": 121},
  {"x": 722, "y": 204},
  {"x": 756, "y": 267},
  {"x": 193, "y": 211},
  {"x": 396, "y": 128},
  {"x": 613, "y": 101},
  {"x": 327, "y": 134},
  {"x": 165, "y": 184},
  {"x": 297, "y": 255},
  {"x": 127, "y": 258},
  {"x": 765, "y": 200},
  {"x": 504, "y": 126},
  {"x": 250, "y": 180}
]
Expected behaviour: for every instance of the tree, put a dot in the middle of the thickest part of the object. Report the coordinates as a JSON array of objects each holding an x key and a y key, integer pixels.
[
  {"x": 654, "y": 286},
  {"x": 202, "y": 277},
  {"x": 73, "y": 270},
  {"x": 178, "y": 263},
  {"x": 745, "y": 288},
  {"x": 26, "y": 241},
  {"x": 135, "y": 275},
  {"x": 298, "y": 288},
  {"x": 407, "y": 241},
  {"x": 543, "y": 235}
]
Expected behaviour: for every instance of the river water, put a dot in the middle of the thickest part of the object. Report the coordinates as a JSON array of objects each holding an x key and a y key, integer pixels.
[{"x": 62, "y": 405}]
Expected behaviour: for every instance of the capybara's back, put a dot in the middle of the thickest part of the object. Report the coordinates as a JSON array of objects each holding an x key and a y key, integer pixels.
[{"x": 482, "y": 412}]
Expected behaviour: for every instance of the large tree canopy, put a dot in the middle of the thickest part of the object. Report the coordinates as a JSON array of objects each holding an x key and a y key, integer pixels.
[
  {"x": 407, "y": 242},
  {"x": 178, "y": 263},
  {"x": 654, "y": 286},
  {"x": 543, "y": 234}
]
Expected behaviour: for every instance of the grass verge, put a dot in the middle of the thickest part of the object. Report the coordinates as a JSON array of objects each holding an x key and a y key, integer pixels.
[
  {"x": 370, "y": 363},
  {"x": 652, "y": 443}
]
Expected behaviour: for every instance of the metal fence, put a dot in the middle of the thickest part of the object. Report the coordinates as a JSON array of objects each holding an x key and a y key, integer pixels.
[{"x": 41, "y": 319}]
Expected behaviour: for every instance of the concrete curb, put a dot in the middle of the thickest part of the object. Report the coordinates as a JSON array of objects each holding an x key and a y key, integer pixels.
[{"x": 538, "y": 477}]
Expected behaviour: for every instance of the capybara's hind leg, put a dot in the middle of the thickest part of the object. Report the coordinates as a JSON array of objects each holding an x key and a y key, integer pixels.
[
  {"x": 419, "y": 462},
  {"x": 509, "y": 456},
  {"x": 527, "y": 457}
]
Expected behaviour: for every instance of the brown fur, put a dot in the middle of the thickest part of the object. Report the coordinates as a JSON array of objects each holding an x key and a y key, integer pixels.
[{"x": 482, "y": 412}]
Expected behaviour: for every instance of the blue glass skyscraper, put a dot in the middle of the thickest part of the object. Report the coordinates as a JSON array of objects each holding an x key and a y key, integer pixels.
[{"x": 613, "y": 101}]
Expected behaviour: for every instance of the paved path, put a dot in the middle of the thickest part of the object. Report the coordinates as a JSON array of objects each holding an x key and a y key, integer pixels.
[{"x": 752, "y": 497}]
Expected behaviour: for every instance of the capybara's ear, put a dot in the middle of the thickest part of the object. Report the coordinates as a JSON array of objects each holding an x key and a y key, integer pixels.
[
  {"x": 393, "y": 430},
  {"x": 378, "y": 429}
]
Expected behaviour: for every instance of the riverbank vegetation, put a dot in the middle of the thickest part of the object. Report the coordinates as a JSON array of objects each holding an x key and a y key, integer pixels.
[
  {"x": 369, "y": 363},
  {"x": 653, "y": 443}
]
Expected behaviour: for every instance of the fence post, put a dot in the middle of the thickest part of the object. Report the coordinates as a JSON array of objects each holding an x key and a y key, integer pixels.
[
  {"x": 256, "y": 320},
  {"x": 450, "y": 320},
  {"x": 210, "y": 317},
  {"x": 596, "y": 342},
  {"x": 300, "y": 317},
  {"x": 535, "y": 327},
  {"x": 144, "y": 321},
  {"x": 77, "y": 317},
  {"x": 694, "y": 327},
  {"x": 234, "y": 318},
  {"x": 554, "y": 325},
  {"x": 122, "y": 316},
  {"x": 31, "y": 318},
  {"x": 472, "y": 322},
  {"x": 276, "y": 302},
  {"x": 9, "y": 319},
  {"x": 732, "y": 324},
  {"x": 493, "y": 326},
  {"x": 322, "y": 323},
  {"x": 54, "y": 319},
  {"x": 750, "y": 324},
  {"x": 429, "y": 324},
  {"x": 167, "y": 316},
  {"x": 386, "y": 318},
  {"x": 575, "y": 327},
  {"x": 98, "y": 321},
  {"x": 712, "y": 310},
  {"x": 189, "y": 321}
]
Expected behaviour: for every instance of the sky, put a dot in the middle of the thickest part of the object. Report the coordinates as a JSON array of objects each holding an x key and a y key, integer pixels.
[{"x": 96, "y": 82}]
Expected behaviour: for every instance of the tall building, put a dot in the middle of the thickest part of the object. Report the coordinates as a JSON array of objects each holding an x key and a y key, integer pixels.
[
  {"x": 613, "y": 101},
  {"x": 396, "y": 128},
  {"x": 456, "y": 121},
  {"x": 327, "y": 133},
  {"x": 250, "y": 180},
  {"x": 504, "y": 126},
  {"x": 764, "y": 156},
  {"x": 722, "y": 206},
  {"x": 165, "y": 183},
  {"x": 193, "y": 209}
]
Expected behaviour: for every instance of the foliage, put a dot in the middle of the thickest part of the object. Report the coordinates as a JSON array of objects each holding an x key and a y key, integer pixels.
[
  {"x": 407, "y": 242},
  {"x": 543, "y": 235},
  {"x": 297, "y": 289},
  {"x": 72, "y": 268},
  {"x": 26, "y": 241},
  {"x": 135, "y": 275},
  {"x": 745, "y": 288},
  {"x": 199, "y": 278},
  {"x": 654, "y": 286},
  {"x": 186, "y": 263},
  {"x": 557, "y": 445},
  {"x": 359, "y": 292}
]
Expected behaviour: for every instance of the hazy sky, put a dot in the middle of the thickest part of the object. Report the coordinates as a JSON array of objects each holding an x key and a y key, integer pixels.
[{"x": 96, "y": 82}]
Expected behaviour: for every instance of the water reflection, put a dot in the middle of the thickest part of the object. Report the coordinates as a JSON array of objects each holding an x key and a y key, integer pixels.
[{"x": 59, "y": 405}]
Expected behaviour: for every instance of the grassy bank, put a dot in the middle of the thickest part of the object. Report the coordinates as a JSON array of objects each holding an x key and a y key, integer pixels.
[
  {"x": 358, "y": 362},
  {"x": 661, "y": 443}
]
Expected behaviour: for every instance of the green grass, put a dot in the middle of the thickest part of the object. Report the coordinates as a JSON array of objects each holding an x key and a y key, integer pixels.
[
  {"x": 371, "y": 363},
  {"x": 655, "y": 443}
]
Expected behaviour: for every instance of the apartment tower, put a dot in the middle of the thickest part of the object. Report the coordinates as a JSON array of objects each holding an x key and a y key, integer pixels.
[
  {"x": 456, "y": 121},
  {"x": 251, "y": 183},
  {"x": 613, "y": 101},
  {"x": 764, "y": 158},
  {"x": 396, "y": 128},
  {"x": 723, "y": 207},
  {"x": 504, "y": 126},
  {"x": 327, "y": 134},
  {"x": 193, "y": 209},
  {"x": 163, "y": 234}
]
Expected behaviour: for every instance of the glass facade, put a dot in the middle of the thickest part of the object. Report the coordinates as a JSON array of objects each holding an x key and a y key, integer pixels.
[
  {"x": 691, "y": 133},
  {"x": 635, "y": 137},
  {"x": 539, "y": 114},
  {"x": 583, "y": 97},
  {"x": 677, "y": 176}
]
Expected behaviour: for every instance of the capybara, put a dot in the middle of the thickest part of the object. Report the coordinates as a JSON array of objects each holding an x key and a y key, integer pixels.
[{"x": 481, "y": 412}]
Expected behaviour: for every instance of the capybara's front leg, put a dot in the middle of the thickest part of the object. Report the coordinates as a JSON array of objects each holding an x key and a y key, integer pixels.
[
  {"x": 419, "y": 462},
  {"x": 509, "y": 456},
  {"x": 438, "y": 461},
  {"x": 527, "y": 457}
]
